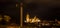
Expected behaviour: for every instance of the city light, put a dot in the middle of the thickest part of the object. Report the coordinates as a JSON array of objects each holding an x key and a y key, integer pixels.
[{"x": 31, "y": 20}]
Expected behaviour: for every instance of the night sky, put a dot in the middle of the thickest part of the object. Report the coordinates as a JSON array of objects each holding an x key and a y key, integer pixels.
[{"x": 46, "y": 9}]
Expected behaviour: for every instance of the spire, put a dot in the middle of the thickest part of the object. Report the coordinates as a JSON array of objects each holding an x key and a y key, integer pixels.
[
  {"x": 35, "y": 17},
  {"x": 27, "y": 17}
]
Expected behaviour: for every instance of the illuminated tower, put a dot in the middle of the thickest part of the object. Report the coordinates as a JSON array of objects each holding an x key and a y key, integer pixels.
[
  {"x": 34, "y": 19},
  {"x": 27, "y": 17}
]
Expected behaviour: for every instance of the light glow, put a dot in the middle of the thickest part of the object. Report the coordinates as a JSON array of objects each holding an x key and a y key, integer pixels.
[{"x": 31, "y": 20}]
